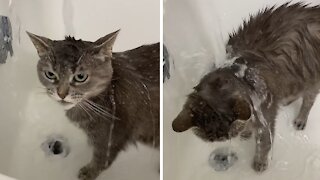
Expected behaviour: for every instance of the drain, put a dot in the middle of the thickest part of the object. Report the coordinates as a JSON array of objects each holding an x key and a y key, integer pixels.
[
  {"x": 222, "y": 159},
  {"x": 56, "y": 145}
]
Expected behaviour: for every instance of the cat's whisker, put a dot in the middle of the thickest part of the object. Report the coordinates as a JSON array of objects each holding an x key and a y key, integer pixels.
[
  {"x": 103, "y": 111},
  {"x": 101, "y": 107},
  {"x": 97, "y": 105},
  {"x": 99, "y": 111},
  {"x": 86, "y": 110}
]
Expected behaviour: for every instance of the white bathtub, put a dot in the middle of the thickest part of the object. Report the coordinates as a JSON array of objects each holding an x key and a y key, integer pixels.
[
  {"x": 28, "y": 117},
  {"x": 195, "y": 33}
]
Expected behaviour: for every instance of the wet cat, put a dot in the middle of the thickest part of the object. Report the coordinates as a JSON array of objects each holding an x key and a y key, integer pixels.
[
  {"x": 113, "y": 97},
  {"x": 274, "y": 59}
]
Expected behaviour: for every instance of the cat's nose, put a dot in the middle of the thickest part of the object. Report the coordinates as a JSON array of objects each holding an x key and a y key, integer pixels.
[
  {"x": 62, "y": 91},
  {"x": 62, "y": 95}
]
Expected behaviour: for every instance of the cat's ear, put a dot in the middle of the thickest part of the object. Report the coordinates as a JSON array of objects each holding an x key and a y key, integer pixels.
[
  {"x": 241, "y": 109},
  {"x": 182, "y": 122},
  {"x": 42, "y": 44},
  {"x": 104, "y": 45}
]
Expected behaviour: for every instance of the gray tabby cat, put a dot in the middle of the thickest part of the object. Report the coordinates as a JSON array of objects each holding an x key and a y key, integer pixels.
[
  {"x": 274, "y": 59},
  {"x": 113, "y": 97}
]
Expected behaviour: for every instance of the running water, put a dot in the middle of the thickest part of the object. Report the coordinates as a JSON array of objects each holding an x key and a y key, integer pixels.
[
  {"x": 68, "y": 14},
  {"x": 151, "y": 113},
  {"x": 113, "y": 105}
]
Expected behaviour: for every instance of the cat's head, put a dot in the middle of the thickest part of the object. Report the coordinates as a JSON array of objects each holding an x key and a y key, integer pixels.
[
  {"x": 74, "y": 70},
  {"x": 217, "y": 110}
]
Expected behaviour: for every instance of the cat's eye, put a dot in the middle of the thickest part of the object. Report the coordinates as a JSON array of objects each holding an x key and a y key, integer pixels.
[
  {"x": 50, "y": 75},
  {"x": 80, "y": 77}
]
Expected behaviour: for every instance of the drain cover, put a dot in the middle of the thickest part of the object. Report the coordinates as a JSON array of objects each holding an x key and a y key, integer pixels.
[{"x": 222, "y": 159}]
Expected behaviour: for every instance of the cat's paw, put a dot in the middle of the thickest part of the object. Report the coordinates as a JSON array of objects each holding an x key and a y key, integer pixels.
[
  {"x": 259, "y": 165},
  {"x": 245, "y": 135},
  {"x": 299, "y": 124},
  {"x": 88, "y": 172}
]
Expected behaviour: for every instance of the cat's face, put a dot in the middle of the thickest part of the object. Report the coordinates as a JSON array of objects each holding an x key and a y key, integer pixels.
[
  {"x": 214, "y": 108},
  {"x": 73, "y": 70}
]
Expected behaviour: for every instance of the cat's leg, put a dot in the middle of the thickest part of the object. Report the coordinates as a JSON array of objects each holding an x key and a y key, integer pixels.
[
  {"x": 264, "y": 140},
  {"x": 307, "y": 103},
  {"x": 264, "y": 134},
  {"x": 247, "y": 132},
  {"x": 97, "y": 164},
  {"x": 101, "y": 159}
]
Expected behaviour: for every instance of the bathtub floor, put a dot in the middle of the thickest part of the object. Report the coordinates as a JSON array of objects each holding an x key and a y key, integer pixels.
[
  {"x": 295, "y": 154},
  {"x": 27, "y": 119},
  {"x": 32, "y": 163}
]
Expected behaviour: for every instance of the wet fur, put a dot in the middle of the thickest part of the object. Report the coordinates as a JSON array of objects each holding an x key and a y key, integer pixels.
[
  {"x": 136, "y": 88},
  {"x": 124, "y": 93},
  {"x": 277, "y": 60}
]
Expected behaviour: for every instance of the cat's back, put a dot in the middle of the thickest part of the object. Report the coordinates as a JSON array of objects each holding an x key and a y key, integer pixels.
[
  {"x": 146, "y": 58},
  {"x": 274, "y": 28},
  {"x": 137, "y": 80},
  {"x": 142, "y": 61}
]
